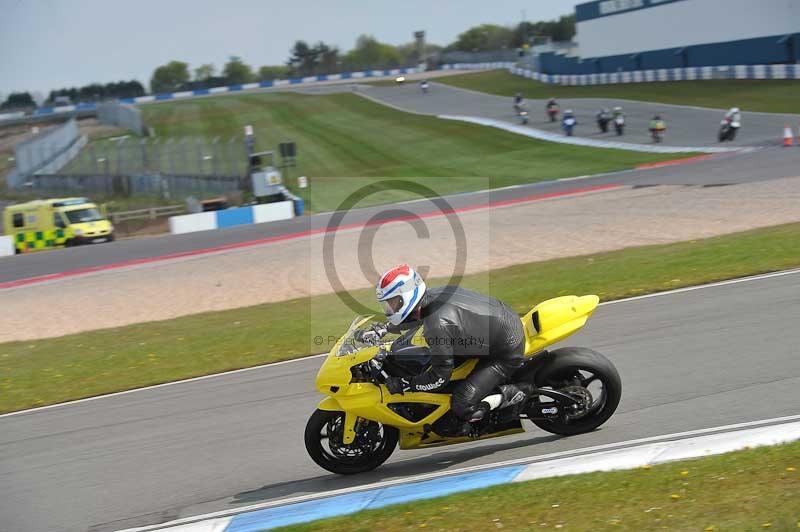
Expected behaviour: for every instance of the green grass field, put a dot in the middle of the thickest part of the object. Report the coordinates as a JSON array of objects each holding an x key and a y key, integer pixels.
[
  {"x": 343, "y": 135},
  {"x": 756, "y": 489},
  {"x": 40, "y": 372},
  {"x": 774, "y": 96}
]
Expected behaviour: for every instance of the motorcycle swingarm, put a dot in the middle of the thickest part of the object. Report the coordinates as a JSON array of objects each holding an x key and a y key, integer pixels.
[
  {"x": 551, "y": 410},
  {"x": 561, "y": 398}
]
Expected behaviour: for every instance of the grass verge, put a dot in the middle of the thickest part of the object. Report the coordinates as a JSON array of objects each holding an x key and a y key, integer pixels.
[
  {"x": 344, "y": 135},
  {"x": 41, "y": 372},
  {"x": 773, "y": 96},
  {"x": 754, "y": 489}
]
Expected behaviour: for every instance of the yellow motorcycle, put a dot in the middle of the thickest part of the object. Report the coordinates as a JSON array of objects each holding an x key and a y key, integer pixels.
[{"x": 358, "y": 425}]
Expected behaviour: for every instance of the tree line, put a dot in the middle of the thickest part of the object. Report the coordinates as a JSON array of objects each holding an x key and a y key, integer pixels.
[
  {"x": 96, "y": 92},
  {"x": 308, "y": 59}
]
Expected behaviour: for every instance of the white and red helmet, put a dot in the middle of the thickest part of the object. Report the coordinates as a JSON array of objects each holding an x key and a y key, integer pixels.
[{"x": 399, "y": 291}]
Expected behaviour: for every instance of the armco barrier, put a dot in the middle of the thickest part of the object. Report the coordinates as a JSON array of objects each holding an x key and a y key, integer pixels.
[
  {"x": 751, "y": 72},
  {"x": 253, "y": 214},
  {"x": 478, "y": 66}
]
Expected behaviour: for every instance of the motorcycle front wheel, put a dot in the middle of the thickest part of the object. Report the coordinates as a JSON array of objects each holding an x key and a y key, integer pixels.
[
  {"x": 590, "y": 377},
  {"x": 373, "y": 445}
]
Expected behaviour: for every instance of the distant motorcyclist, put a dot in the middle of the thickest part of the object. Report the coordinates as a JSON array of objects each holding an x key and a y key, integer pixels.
[
  {"x": 519, "y": 102},
  {"x": 618, "y": 118},
  {"x": 603, "y": 118},
  {"x": 522, "y": 111},
  {"x": 730, "y": 124},
  {"x": 733, "y": 115},
  {"x": 568, "y": 122},
  {"x": 657, "y": 127},
  {"x": 552, "y": 109},
  {"x": 424, "y": 86},
  {"x": 456, "y": 323}
]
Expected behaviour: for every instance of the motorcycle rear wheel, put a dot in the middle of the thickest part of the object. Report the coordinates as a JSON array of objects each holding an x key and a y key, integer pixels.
[
  {"x": 572, "y": 369},
  {"x": 373, "y": 445}
]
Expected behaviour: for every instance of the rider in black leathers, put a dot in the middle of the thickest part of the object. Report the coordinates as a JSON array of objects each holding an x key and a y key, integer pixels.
[{"x": 461, "y": 323}]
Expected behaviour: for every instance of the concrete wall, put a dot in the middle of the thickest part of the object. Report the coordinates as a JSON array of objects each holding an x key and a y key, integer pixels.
[
  {"x": 254, "y": 214},
  {"x": 6, "y": 246}
]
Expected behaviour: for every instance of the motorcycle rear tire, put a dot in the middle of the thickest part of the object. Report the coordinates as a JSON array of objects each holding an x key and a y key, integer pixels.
[
  {"x": 570, "y": 359},
  {"x": 318, "y": 420}
]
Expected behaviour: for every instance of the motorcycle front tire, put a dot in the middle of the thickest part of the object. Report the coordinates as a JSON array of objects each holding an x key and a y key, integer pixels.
[{"x": 352, "y": 465}]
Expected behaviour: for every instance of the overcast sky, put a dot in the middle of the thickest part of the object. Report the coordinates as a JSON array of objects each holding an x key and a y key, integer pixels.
[{"x": 47, "y": 44}]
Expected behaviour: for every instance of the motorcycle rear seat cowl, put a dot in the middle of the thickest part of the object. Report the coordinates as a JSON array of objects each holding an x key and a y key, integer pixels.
[{"x": 555, "y": 319}]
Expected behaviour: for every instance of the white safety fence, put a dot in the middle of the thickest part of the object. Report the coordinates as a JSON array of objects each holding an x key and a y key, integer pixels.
[{"x": 761, "y": 72}]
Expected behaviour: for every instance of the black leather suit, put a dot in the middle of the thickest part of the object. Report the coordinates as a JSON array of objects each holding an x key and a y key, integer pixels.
[{"x": 461, "y": 323}]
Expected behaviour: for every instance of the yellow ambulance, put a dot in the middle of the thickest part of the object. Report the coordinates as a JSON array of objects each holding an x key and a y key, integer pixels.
[{"x": 46, "y": 224}]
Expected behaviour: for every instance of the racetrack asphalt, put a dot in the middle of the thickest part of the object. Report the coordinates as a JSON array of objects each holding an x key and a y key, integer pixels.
[
  {"x": 686, "y": 126},
  {"x": 722, "y": 169},
  {"x": 689, "y": 360}
]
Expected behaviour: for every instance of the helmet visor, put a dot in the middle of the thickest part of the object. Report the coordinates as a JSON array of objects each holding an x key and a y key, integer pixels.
[{"x": 392, "y": 305}]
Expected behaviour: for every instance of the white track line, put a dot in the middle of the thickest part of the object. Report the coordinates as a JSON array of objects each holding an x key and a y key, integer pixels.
[
  {"x": 215, "y": 375},
  {"x": 703, "y": 286},
  {"x": 438, "y": 474}
]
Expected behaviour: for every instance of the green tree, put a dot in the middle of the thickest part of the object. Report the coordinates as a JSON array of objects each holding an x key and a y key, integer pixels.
[
  {"x": 169, "y": 77},
  {"x": 302, "y": 59},
  {"x": 270, "y": 72},
  {"x": 562, "y": 29},
  {"x": 370, "y": 53},
  {"x": 18, "y": 100},
  {"x": 203, "y": 72},
  {"x": 483, "y": 38},
  {"x": 236, "y": 71},
  {"x": 327, "y": 58}
]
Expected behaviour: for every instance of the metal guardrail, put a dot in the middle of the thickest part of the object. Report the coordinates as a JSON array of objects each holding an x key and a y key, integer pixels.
[{"x": 151, "y": 213}]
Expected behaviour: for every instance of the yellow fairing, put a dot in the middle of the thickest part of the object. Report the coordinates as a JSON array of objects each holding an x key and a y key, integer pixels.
[
  {"x": 547, "y": 323},
  {"x": 553, "y": 320},
  {"x": 370, "y": 401}
]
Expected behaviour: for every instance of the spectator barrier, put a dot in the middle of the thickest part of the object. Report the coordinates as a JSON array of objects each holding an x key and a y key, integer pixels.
[{"x": 46, "y": 153}]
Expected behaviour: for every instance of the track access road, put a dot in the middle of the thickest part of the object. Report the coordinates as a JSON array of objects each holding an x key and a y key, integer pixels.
[{"x": 689, "y": 360}]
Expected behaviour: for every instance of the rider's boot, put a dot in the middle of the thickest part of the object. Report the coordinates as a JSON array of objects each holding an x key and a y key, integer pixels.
[{"x": 510, "y": 394}]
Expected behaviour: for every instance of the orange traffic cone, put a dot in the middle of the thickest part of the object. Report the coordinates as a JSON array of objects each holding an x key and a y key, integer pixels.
[{"x": 788, "y": 138}]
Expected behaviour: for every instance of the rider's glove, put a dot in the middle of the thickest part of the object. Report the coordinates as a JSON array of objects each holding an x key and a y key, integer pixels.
[
  {"x": 397, "y": 385},
  {"x": 371, "y": 335},
  {"x": 366, "y": 337}
]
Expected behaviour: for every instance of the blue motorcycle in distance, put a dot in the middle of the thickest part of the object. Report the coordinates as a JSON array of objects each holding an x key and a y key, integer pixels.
[{"x": 568, "y": 123}]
